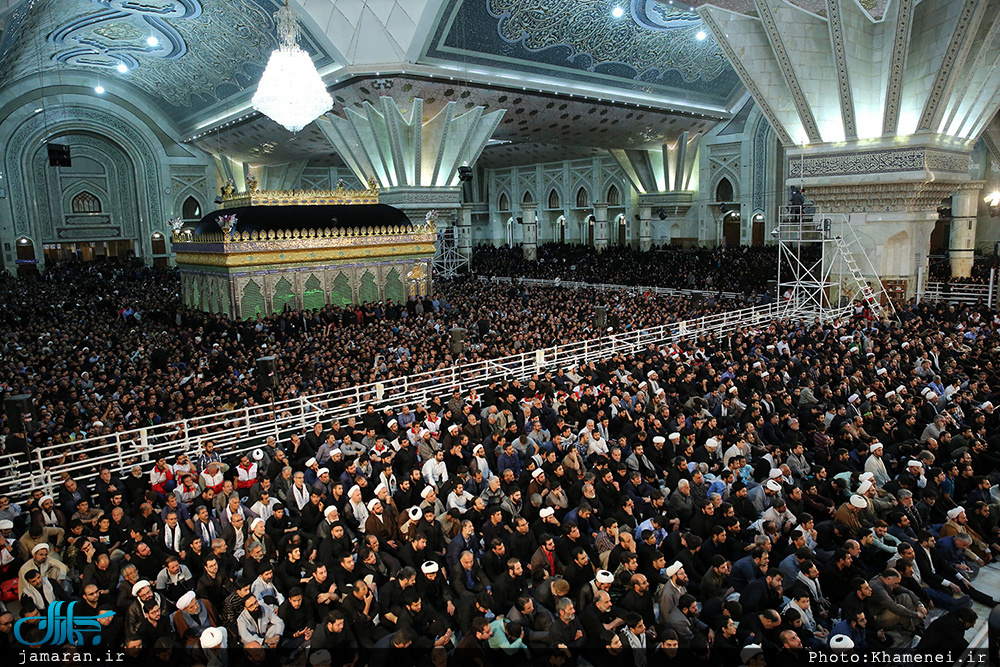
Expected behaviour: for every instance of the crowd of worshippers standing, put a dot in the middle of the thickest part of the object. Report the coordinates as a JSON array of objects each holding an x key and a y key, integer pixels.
[{"x": 741, "y": 498}]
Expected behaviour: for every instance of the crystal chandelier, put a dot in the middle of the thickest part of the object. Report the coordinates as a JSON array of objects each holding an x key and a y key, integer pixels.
[{"x": 291, "y": 91}]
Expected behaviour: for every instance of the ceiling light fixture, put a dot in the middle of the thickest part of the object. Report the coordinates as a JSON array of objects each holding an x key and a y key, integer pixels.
[
  {"x": 618, "y": 12},
  {"x": 122, "y": 67},
  {"x": 291, "y": 91},
  {"x": 701, "y": 35},
  {"x": 99, "y": 89},
  {"x": 152, "y": 40}
]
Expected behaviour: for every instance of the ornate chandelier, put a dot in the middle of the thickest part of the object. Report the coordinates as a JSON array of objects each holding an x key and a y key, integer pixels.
[{"x": 291, "y": 91}]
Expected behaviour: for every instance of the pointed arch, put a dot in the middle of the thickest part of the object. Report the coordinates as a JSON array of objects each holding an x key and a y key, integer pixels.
[
  {"x": 368, "y": 290},
  {"x": 191, "y": 209},
  {"x": 503, "y": 203},
  {"x": 614, "y": 197},
  {"x": 527, "y": 198},
  {"x": 553, "y": 199},
  {"x": 284, "y": 295},
  {"x": 724, "y": 191},
  {"x": 252, "y": 302},
  {"x": 582, "y": 198},
  {"x": 86, "y": 202},
  {"x": 312, "y": 294},
  {"x": 394, "y": 290},
  {"x": 342, "y": 294}
]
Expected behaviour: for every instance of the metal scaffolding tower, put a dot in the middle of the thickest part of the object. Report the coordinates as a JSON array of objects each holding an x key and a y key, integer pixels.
[
  {"x": 448, "y": 259},
  {"x": 822, "y": 264}
]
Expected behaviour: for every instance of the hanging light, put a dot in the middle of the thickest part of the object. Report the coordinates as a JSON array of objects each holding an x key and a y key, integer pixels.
[
  {"x": 122, "y": 67},
  {"x": 291, "y": 91}
]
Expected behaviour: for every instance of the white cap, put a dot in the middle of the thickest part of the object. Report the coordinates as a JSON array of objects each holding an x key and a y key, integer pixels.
[
  {"x": 841, "y": 643},
  {"x": 748, "y": 652},
  {"x": 546, "y": 512},
  {"x": 38, "y": 547},
  {"x": 775, "y": 473},
  {"x": 6, "y": 524},
  {"x": 426, "y": 492},
  {"x": 138, "y": 586},
  {"x": 876, "y": 445},
  {"x": 675, "y": 568},
  {"x": 330, "y": 509},
  {"x": 415, "y": 513},
  {"x": 311, "y": 462},
  {"x": 858, "y": 501},
  {"x": 864, "y": 488},
  {"x": 659, "y": 439},
  {"x": 372, "y": 503},
  {"x": 914, "y": 464},
  {"x": 604, "y": 577},
  {"x": 955, "y": 511},
  {"x": 392, "y": 422},
  {"x": 537, "y": 472},
  {"x": 212, "y": 637},
  {"x": 711, "y": 443},
  {"x": 322, "y": 471},
  {"x": 258, "y": 454},
  {"x": 675, "y": 436},
  {"x": 185, "y": 600},
  {"x": 880, "y": 371},
  {"x": 773, "y": 486}
]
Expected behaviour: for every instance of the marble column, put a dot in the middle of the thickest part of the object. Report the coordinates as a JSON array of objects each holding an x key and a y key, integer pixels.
[
  {"x": 962, "y": 246},
  {"x": 464, "y": 230},
  {"x": 600, "y": 226},
  {"x": 645, "y": 227},
  {"x": 529, "y": 230}
]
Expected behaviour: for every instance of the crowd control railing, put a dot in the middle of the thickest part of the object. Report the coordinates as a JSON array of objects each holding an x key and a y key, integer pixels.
[
  {"x": 246, "y": 428},
  {"x": 607, "y": 287}
]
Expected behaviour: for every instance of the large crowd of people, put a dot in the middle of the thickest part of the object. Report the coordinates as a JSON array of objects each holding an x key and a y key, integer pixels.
[
  {"x": 104, "y": 349},
  {"x": 730, "y": 499},
  {"x": 740, "y": 269}
]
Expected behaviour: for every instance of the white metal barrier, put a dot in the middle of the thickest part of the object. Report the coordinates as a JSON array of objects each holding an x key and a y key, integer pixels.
[
  {"x": 244, "y": 429},
  {"x": 605, "y": 287},
  {"x": 959, "y": 293}
]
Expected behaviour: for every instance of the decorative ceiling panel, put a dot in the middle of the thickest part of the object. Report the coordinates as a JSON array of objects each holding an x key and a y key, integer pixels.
[
  {"x": 532, "y": 119},
  {"x": 653, "y": 47},
  {"x": 187, "y": 53}
]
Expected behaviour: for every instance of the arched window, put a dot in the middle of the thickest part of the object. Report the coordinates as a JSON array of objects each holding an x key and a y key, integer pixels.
[
  {"x": 504, "y": 204},
  {"x": 614, "y": 197},
  {"x": 527, "y": 198},
  {"x": 553, "y": 199},
  {"x": 582, "y": 199},
  {"x": 724, "y": 191},
  {"x": 86, "y": 202},
  {"x": 191, "y": 210}
]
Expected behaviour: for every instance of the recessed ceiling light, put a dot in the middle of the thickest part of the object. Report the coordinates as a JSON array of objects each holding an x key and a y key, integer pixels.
[
  {"x": 618, "y": 12},
  {"x": 701, "y": 35},
  {"x": 122, "y": 67},
  {"x": 99, "y": 89},
  {"x": 152, "y": 40}
]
